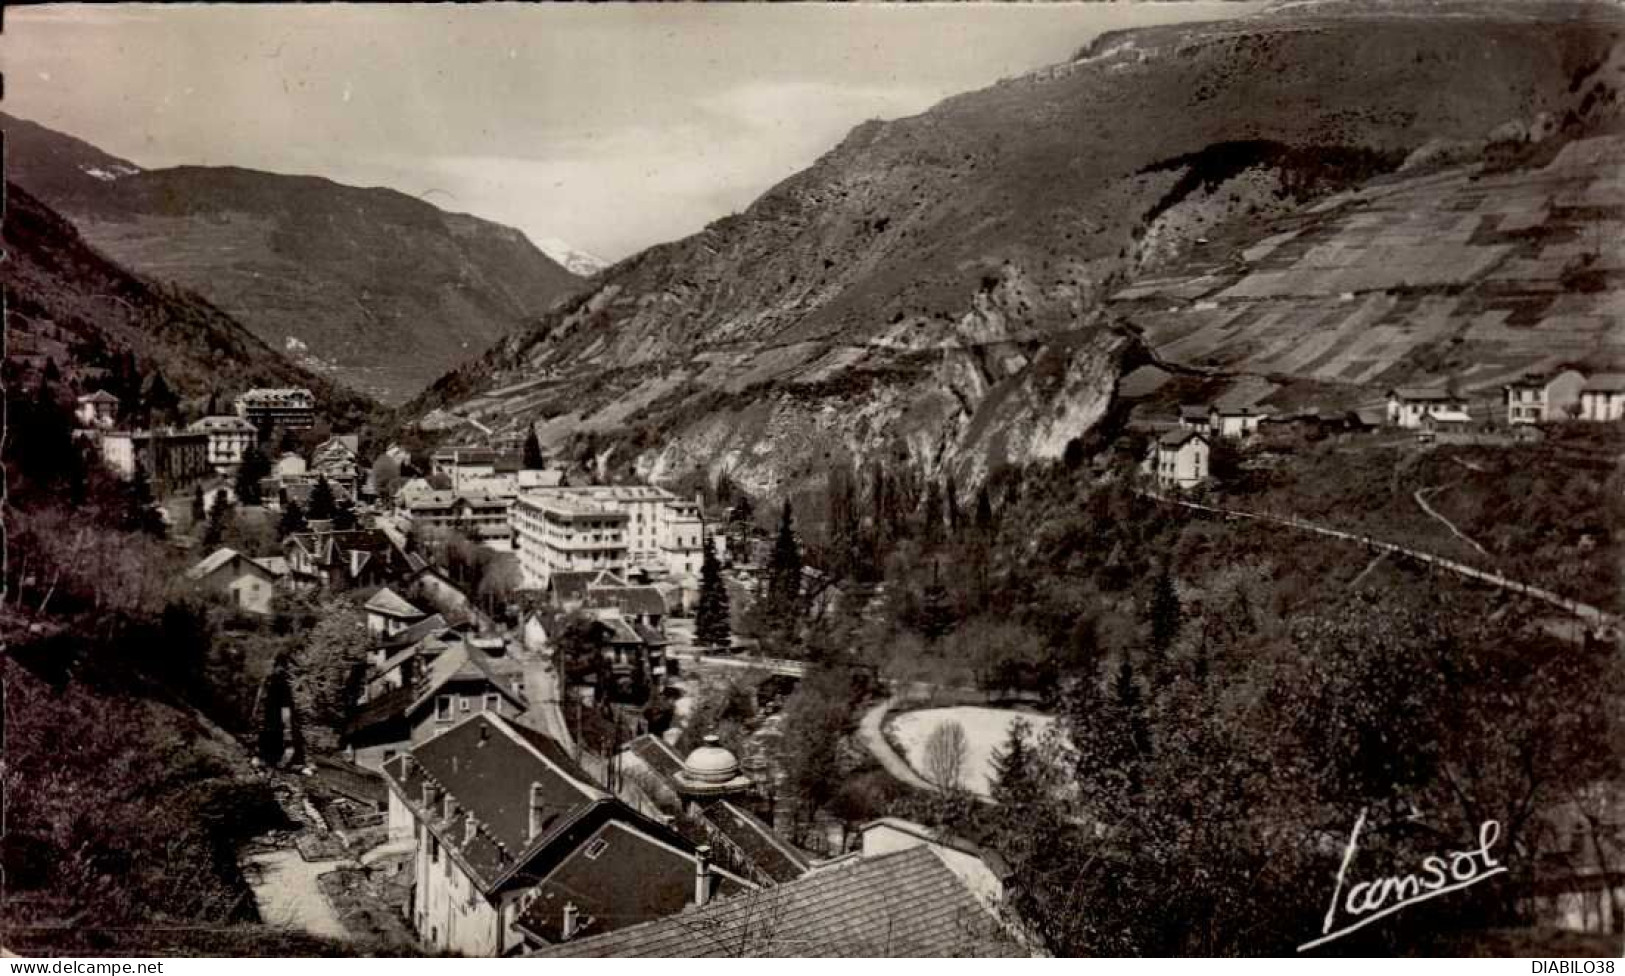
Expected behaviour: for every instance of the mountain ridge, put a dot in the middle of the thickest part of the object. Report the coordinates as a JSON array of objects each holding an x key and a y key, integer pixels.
[
  {"x": 374, "y": 287},
  {"x": 930, "y": 289},
  {"x": 71, "y": 306}
]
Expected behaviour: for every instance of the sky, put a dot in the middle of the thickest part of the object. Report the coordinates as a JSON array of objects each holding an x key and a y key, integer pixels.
[{"x": 610, "y": 127}]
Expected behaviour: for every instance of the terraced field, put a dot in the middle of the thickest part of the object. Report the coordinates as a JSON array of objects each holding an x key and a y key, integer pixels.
[{"x": 1466, "y": 276}]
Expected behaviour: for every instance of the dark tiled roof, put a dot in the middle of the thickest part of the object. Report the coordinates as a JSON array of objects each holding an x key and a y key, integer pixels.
[
  {"x": 1605, "y": 383},
  {"x": 766, "y": 852},
  {"x": 904, "y": 904},
  {"x": 633, "y": 879},
  {"x": 656, "y": 755},
  {"x": 1194, "y": 413},
  {"x": 765, "y": 849},
  {"x": 651, "y": 637},
  {"x": 463, "y": 662},
  {"x": 388, "y": 603},
  {"x": 630, "y": 599},
  {"x": 348, "y": 779},
  {"x": 488, "y": 765},
  {"x": 1176, "y": 438},
  {"x": 573, "y": 585},
  {"x": 379, "y": 715},
  {"x": 418, "y": 631},
  {"x": 1423, "y": 393}
]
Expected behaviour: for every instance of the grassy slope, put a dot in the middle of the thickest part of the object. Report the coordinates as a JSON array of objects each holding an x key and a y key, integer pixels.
[
  {"x": 388, "y": 287},
  {"x": 64, "y": 296}
]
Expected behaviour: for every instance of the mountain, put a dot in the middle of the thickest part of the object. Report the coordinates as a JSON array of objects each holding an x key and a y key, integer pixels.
[
  {"x": 378, "y": 289},
  {"x": 575, "y": 260},
  {"x": 70, "y": 306},
  {"x": 930, "y": 291}
]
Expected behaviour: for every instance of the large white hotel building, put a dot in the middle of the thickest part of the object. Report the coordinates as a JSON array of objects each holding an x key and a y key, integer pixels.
[{"x": 613, "y": 527}]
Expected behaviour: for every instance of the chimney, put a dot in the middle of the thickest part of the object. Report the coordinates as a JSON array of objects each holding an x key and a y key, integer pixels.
[
  {"x": 450, "y": 809},
  {"x": 571, "y": 920},
  {"x": 428, "y": 795},
  {"x": 470, "y": 828},
  {"x": 702, "y": 875},
  {"x": 406, "y": 766},
  {"x": 537, "y": 809}
]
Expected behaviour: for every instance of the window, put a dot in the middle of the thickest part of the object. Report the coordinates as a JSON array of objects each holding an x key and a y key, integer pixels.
[
  {"x": 596, "y": 848},
  {"x": 493, "y": 702},
  {"x": 434, "y": 849},
  {"x": 467, "y": 704},
  {"x": 442, "y": 708},
  {"x": 389, "y": 754}
]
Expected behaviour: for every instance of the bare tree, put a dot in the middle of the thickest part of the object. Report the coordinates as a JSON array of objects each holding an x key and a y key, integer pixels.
[{"x": 945, "y": 753}]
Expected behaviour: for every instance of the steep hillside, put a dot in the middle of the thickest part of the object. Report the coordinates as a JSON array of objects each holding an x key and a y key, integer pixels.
[
  {"x": 381, "y": 290},
  {"x": 69, "y": 305},
  {"x": 1469, "y": 275},
  {"x": 931, "y": 288}
]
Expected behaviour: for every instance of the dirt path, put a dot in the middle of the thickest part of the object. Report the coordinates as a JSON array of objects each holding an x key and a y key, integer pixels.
[
  {"x": 1421, "y": 499},
  {"x": 288, "y": 896},
  {"x": 871, "y": 734},
  {"x": 1585, "y": 612}
]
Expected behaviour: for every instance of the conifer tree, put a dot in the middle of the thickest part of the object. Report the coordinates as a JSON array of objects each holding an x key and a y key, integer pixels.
[
  {"x": 1015, "y": 769},
  {"x": 712, "y": 627},
  {"x": 534, "y": 459},
  {"x": 984, "y": 510},
  {"x": 199, "y": 507},
  {"x": 140, "y": 510},
  {"x": 741, "y": 519},
  {"x": 219, "y": 514},
  {"x": 784, "y": 608},
  {"x": 254, "y": 468},
  {"x": 292, "y": 521},
  {"x": 936, "y": 617},
  {"x": 322, "y": 502}
]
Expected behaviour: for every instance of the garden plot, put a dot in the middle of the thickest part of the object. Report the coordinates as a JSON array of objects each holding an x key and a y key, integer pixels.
[{"x": 985, "y": 732}]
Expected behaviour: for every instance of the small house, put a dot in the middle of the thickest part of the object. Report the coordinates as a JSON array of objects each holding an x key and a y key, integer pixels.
[
  {"x": 1407, "y": 405},
  {"x": 98, "y": 411},
  {"x": 1536, "y": 397},
  {"x": 1178, "y": 459},
  {"x": 247, "y": 583},
  {"x": 1603, "y": 398},
  {"x": 389, "y": 613}
]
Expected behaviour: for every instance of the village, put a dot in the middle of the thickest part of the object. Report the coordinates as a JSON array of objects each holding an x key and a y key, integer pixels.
[{"x": 522, "y": 756}]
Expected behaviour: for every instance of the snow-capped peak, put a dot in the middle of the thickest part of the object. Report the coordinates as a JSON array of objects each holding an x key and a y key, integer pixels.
[{"x": 575, "y": 260}]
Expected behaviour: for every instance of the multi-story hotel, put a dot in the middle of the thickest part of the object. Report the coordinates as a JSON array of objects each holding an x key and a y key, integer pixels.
[
  {"x": 661, "y": 530},
  {"x": 564, "y": 534},
  {"x": 229, "y": 439},
  {"x": 290, "y": 407}
]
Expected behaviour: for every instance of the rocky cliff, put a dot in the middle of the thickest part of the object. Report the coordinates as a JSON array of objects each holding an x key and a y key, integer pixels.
[{"x": 930, "y": 289}]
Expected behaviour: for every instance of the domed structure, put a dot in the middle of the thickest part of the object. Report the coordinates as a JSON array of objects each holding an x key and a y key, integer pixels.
[{"x": 711, "y": 770}]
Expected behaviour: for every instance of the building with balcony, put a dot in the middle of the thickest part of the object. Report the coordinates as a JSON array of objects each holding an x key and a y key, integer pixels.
[
  {"x": 561, "y": 533},
  {"x": 230, "y": 437},
  {"x": 293, "y": 408}
]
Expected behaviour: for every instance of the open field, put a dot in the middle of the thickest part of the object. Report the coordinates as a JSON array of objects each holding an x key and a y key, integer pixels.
[
  {"x": 985, "y": 731},
  {"x": 1464, "y": 275}
]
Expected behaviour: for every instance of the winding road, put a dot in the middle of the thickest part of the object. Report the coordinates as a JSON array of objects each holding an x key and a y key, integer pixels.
[{"x": 1597, "y": 618}]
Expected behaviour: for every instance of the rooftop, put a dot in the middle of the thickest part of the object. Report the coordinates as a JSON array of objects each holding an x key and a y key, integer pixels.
[
  {"x": 388, "y": 603},
  {"x": 224, "y": 424},
  {"x": 1177, "y": 438},
  {"x": 898, "y": 905},
  {"x": 1422, "y": 393},
  {"x": 1605, "y": 383},
  {"x": 490, "y": 768}
]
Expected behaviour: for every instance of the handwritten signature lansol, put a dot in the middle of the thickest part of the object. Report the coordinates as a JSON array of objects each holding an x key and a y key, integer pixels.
[{"x": 1369, "y": 901}]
